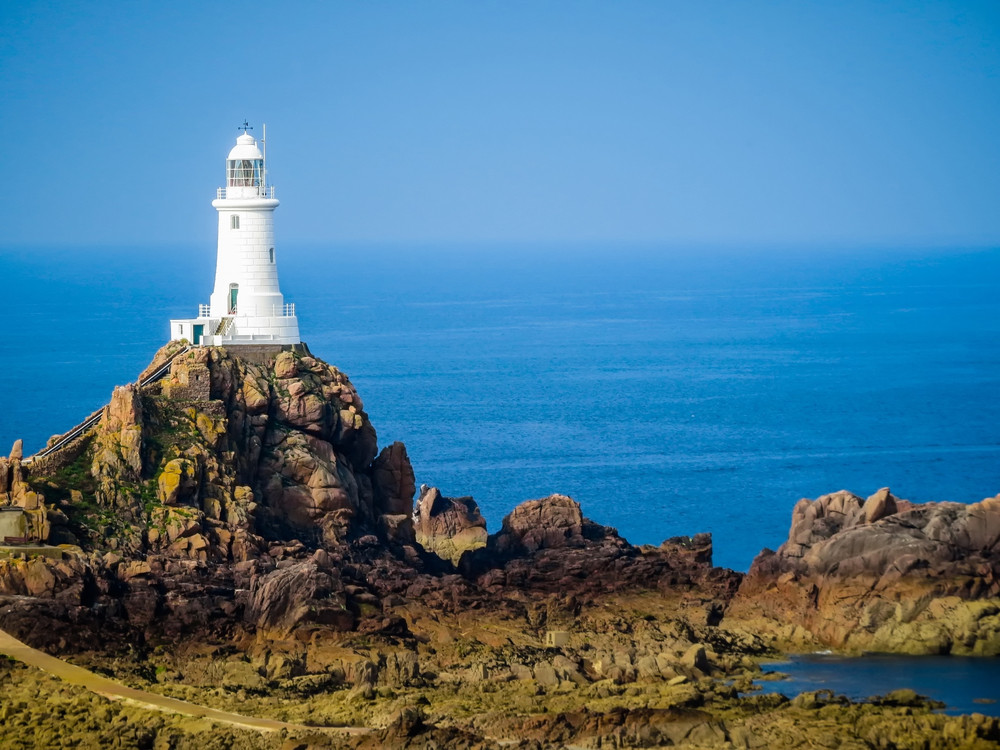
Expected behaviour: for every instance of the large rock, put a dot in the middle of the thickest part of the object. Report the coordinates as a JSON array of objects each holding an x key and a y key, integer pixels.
[
  {"x": 548, "y": 545},
  {"x": 551, "y": 522},
  {"x": 393, "y": 486},
  {"x": 178, "y": 482},
  {"x": 258, "y": 449},
  {"x": 871, "y": 574},
  {"x": 301, "y": 593},
  {"x": 449, "y": 526}
]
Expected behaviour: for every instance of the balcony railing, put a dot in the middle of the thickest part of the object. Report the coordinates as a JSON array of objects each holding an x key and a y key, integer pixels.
[
  {"x": 286, "y": 310},
  {"x": 246, "y": 191}
]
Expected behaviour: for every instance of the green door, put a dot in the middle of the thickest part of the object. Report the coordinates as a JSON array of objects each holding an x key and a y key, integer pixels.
[
  {"x": 233, "y": 291},
  {"x": 198, "y": 331}
]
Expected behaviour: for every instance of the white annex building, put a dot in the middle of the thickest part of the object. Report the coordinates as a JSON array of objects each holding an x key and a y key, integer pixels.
[{"x": 246, "y": 306}]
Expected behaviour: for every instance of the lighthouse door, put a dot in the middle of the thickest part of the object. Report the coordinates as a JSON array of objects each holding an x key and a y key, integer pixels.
[
  {"x": 234, "y": 290},
  {"x": 197, "y": 333}
]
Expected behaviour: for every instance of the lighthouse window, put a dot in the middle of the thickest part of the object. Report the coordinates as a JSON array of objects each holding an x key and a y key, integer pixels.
[
  {"x": 234, "y": 221},
  {"x": 244, "y": 172},
  {"x": 270, "y": 254}
]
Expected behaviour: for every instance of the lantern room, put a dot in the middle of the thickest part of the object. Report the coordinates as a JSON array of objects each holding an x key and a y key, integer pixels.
[{"x": 245, "y": 177}]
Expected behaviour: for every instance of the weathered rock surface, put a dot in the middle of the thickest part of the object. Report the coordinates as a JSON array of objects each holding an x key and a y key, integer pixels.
[
  {"x": 549, "y": 523},
  {"x": 393, "y": 484},
  {"x": 300, "y": 593},
  {"x": 448, "y": 526},
  {"x": 883, "y": 574},
  {"x": 17, "y": 492}
]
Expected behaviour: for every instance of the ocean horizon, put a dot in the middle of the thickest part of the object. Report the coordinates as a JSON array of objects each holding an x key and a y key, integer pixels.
[{"x": 669, "y": 391}]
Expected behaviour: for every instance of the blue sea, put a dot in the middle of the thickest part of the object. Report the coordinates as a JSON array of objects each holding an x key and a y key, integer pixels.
[{"x": 669, "y": 390}]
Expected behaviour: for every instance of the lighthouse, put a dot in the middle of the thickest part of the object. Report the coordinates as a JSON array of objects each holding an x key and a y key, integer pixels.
[{"x": 246, "y": 306}]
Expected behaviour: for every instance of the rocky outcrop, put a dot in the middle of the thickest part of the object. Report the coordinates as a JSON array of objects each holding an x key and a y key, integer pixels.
[
  {"x": 224, "y": 454},
  {"x": 550, "y": 523},
  {"x": 547, "y": 545},
  {"x": 393, "y": 485},
  {"x": 17, "y": 492},
  {"x": 448, "y": 526},
  {"x": 200, "y": 498},
  {"x": 883, "y": 574}
]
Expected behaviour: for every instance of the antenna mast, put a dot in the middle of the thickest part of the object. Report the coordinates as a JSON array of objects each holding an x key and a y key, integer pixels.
[{"x": 263, "y": 143}]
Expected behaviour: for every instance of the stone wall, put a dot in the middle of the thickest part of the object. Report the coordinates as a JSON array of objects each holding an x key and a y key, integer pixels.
[{"x": 13, "y": 522}]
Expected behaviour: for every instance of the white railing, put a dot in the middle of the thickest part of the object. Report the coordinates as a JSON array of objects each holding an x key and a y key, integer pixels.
[
  {"x": 286, "y": 310},
  {"x": 247, "y": 191},
  {"x": 224, "y": 325}
]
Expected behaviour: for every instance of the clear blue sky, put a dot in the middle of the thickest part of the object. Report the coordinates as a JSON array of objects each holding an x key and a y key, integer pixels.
[{"x": 708, "y": 122}]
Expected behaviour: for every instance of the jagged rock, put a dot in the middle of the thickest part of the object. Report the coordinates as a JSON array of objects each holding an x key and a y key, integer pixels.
[
  {"x": 448, "y": 526},
  {"x": 869, "y": 574},
  {"x": 393, "y": 486},
  {"x": 392, "y": 481},
  {"x": 285, "y": 366},
  {"x": 699, "y": 547},
  {"x": 545, "y": 674},
  {"x": 121, "y": 429},
  {"x": 549, "y": 545},
  {"x": 400, "y": 669},
  {"x": 17, "y": 450},
  {"x": 879, "y": 505},
  {"x": 279, "y": 450}
]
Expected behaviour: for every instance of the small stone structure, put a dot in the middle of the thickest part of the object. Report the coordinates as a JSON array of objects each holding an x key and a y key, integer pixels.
[
  {"x": 13, "y": 523},
  {"x": 188, "y": 381},
  {"x": 556, "y": 638}
]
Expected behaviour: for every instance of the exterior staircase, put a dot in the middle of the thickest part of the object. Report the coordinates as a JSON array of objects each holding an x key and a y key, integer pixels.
[
  {"x": 224, "y": 325},
  {"x": 94, "y": 418}
]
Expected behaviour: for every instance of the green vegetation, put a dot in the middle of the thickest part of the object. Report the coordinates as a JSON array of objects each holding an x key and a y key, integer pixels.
[
  {"x": 74, "y": 476},
  {"x": 172, "y": 430}
]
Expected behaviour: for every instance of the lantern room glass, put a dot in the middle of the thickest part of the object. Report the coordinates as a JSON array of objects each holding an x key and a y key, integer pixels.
[{"x": 244, "y": 172}]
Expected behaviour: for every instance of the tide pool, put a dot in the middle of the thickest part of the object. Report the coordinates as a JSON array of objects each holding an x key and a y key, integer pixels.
[{"x": 965, "y": 684}]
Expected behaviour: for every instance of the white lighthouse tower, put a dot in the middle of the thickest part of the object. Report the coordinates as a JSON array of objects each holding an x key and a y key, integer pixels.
[{"x": 246, "y": 306}]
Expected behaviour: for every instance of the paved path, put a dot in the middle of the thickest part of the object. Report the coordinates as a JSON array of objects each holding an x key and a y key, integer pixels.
[{"x": 110, "y": 689}]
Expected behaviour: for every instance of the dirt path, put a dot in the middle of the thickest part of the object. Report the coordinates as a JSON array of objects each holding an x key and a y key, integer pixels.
[{"x": 114, "y": 691}]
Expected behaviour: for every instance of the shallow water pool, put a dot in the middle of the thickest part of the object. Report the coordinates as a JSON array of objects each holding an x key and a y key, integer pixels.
[{"x": 965, "y": 684}]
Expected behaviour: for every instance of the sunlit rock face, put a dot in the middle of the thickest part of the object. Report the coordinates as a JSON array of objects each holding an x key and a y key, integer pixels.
[
  {"x": 223, "y": 456},
  {"x": 882, "y": 574}
]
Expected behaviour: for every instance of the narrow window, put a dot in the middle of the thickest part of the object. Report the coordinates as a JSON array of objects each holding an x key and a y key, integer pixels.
[
  {"x": 234, "y": 221},
  {"x": 270, "y": 253}
]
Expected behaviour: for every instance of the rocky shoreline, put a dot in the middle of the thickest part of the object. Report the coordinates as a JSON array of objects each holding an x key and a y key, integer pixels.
[{"x": 232, "y": 535}]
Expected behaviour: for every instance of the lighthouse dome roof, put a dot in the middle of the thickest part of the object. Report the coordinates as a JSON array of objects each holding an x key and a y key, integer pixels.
[{"x": 246, "y": 148}]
